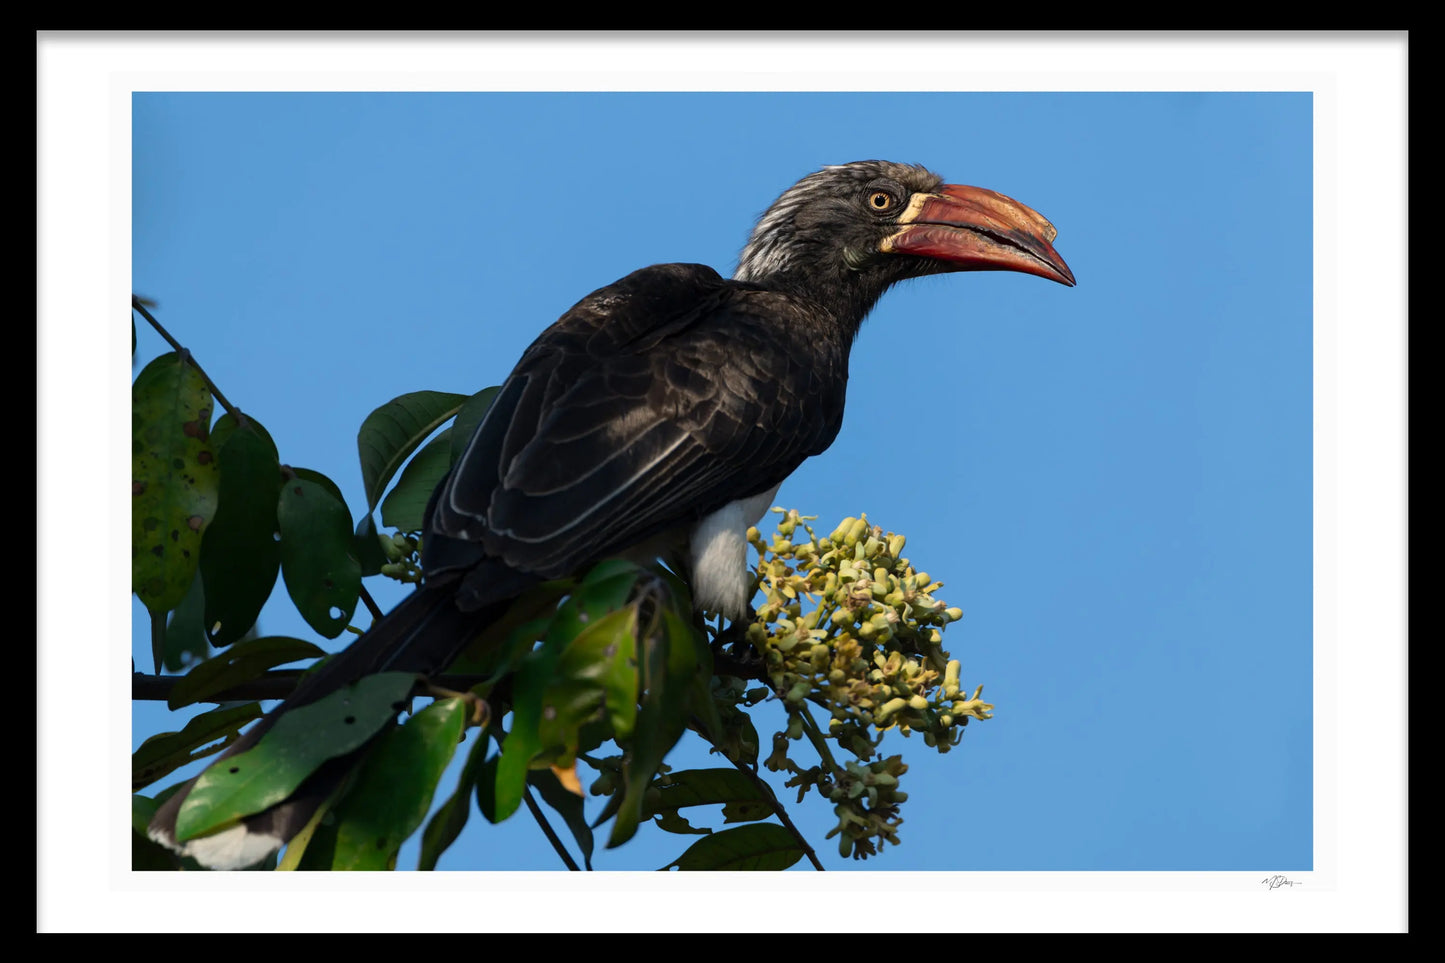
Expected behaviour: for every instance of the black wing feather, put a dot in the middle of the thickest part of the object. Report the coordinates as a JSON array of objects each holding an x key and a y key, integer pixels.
[{"x": 650, "y": 404}]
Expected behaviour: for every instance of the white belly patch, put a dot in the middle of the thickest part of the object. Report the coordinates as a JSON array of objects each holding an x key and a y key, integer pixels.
[{"x": 718, "y": 550}]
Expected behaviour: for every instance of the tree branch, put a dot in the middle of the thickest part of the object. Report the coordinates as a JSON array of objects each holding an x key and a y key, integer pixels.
[
  {"x": 778, "y": 810},
  {"x": 277, "y": 684},
  {"x": 185, "y": 353}
]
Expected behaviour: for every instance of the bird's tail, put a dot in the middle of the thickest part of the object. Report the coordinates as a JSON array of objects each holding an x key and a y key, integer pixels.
[{"x": 422, "y": 634}]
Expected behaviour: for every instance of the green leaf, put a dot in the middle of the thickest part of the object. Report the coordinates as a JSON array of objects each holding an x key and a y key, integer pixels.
[
  {"x": 166, "y": 752},
  {"x": 368, "y": 550},
  {"x": 322, "y": 575},
  {"x": 705, "y": 787},
  {"x": 227, "y": 423},
  {"x": 242, "y": 662},
  {"x": 324, "y": 481},
  {"x": 762, "y": 846},
  {"x": 174, "y": 479},
  {"x": 746, "y": 812},
  {"x": 568, "y": 805},
  {"x": 240, "y": 556},
  {"x": 301, "y": 740},
  {"x": 501, "y": 647},
  {"x": 671, "y": 821},
  {"x": 451, "y": 816},
  {"x": 394, "y": 789},
  {"x": 609, "y": 585},
  {"x": 405, "y": 507},
  {"x": 669, "y": 655},
  {"x": 185, "y": 642},
  {"x": 487, "y": 790},
  {"x": 391, "y": 433},
  {"x": 529, "y": 686},
  {"x": 583, "y": 667},
  {"x": 470, "y": 415}
]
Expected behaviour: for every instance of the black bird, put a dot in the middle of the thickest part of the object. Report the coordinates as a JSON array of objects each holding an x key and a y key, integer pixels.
[{"x": 659, "y": 416}]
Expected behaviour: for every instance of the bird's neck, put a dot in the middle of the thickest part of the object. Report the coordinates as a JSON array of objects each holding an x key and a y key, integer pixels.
[{"x": 841, "y": 299}]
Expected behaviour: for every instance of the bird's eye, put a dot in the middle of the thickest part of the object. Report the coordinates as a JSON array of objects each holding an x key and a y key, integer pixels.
[{"x": 881, "y": 201}]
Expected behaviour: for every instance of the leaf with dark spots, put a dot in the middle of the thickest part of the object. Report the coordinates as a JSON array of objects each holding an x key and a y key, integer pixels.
[
  {"x": 207, "y": 733},
  {"x": 169, "y": 483},
  {"x": 301, "y": 740},
  {"x": 394, "y": 789}
]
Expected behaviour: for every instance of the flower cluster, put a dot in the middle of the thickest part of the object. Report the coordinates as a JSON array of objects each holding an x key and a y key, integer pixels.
[
  {"x": 848, "y": 625},
  {"x": 403, "y": 557}
]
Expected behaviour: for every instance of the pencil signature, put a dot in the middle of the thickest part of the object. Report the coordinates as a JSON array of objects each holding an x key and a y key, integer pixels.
[{"x": 1276, "y": 881}]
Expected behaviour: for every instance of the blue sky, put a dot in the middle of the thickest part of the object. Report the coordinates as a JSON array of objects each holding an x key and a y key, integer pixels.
[{"x": 1114, "y": 481}]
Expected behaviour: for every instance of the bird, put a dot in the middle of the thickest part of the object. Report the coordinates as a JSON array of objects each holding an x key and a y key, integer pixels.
[{"x": 657, "y": 418}]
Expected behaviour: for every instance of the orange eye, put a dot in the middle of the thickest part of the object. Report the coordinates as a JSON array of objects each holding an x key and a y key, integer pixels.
[{"x": 881, "y": 201}]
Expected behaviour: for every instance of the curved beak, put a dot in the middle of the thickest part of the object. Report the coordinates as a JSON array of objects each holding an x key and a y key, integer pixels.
[{"x": 973, "y": 229}]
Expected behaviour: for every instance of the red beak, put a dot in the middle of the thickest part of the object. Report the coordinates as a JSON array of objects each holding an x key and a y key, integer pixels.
[{"x": 973, "y": 229}]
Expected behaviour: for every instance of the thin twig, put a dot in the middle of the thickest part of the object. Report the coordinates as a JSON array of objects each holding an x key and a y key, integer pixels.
[
  {"x": 815, "y": 736},
  {"x": 541, "y": 818},
  {"x": 778, "y": 809},
  {"x": 370, "y": 602},
  {"x": 185, "y": 353}
]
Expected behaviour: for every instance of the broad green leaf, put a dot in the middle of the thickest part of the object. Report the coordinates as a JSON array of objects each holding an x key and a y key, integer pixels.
[
  {"x": 529, "y": 686},
  {"x": 487, "y": 790},
  {"x": 671, "y": 821},
  {"x": 174, "y": 479},
  {"x": 391, "y": 433},
  {"x": 227, "y": 423},
  {"x": 394, "y": 789},
  {"x": 584, "y": 666},
  {"x": 404, "y": 508},
  {"x": 242, "y": 662},
  {"x": 240, "y": 556},
  {"x": 322, "y": 575},
  {"x": 705, "y": 787},
  {"x": 501, "y": 647},
  {"x": 668, "y": 653},
  {"x": 746, "y": 812},
  {"x": 301, "y": 740},
  {"x": 310, "y": 474},
  {"x": 368, "y": 550},
  {"x": 470, "y": 415},
  {"x": 762, "y": 846},
  {"x": 168, "y": 751},
  {"x": 185, "y": 642},
  {"x": 608, "y": 585},
  {"x": 568, "y": 805},
  {"x": 451, "y": 816},
  {"x": 596, "y": 670}
]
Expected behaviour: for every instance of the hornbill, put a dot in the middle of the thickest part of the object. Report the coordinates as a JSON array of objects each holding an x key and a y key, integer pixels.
[{"x": 658, "y": 417}]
